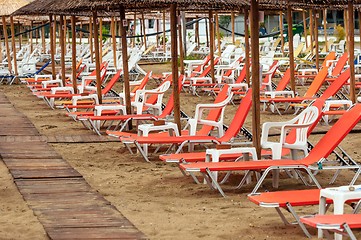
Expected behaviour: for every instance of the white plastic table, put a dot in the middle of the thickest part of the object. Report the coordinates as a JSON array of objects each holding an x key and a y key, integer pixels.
[
  {"x": 145, "y": 129},
  {"x": 216, "y": 153},
  {"x": 339, "y": 195}
]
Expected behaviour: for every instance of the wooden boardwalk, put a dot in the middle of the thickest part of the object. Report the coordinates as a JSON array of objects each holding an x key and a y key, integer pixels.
[{"x": 63, "y": 201}]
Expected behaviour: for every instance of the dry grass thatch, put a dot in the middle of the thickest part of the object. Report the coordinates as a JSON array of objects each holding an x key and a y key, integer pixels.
[{"x": 7, "y": 7}]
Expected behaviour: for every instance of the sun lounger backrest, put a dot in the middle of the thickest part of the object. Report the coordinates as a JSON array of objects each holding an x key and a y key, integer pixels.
[
  {"x": 284, "y": 80},
  {"x": 334, "y": 136},
  {"x": 239, "y": 118},
  {"x": 143, "y": 83},
  {"x": 214, "y": 114},
  {"x": 208, "y": 69},
  {"x": 337, "y": 84},
  {"x": 317, "y": 83},
  {"x": 330, "y": 56},
  {"x": 111, "y": 83},
  {"x": 340, "y": 65}
]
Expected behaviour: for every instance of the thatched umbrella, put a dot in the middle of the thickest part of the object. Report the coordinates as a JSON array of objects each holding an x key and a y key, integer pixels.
[
  {"x": 83, "y": 5},
  {"x": 7, "y": 7}
]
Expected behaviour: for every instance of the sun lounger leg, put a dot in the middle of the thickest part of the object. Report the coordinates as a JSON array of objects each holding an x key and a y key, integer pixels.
[
  {"x": 335, "y": 176},
  {"x": 143, "y": 152},
  {"x": 244, "y": 179},
  {"x": 297, "y": 218},
  {"x": 354, "y": 179},
  {"x": 349, "y": 231},
  {"x": 214, "y": 183}
]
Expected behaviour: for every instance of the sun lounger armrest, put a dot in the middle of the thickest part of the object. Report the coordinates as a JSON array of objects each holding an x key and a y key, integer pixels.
[
  {"x": 47, "y": 76},
  {"x": 273, "y": 94},
  {"x": 60, "y": 89},
  {"x": 329, "y": 103},
  {"x": 194, "y": 80},
  {"x": 47, "y": 82},
  {"x": 214, "y": 154},
  {"x": 100, "y": 108},
  {"x": 94, "y": 97}
]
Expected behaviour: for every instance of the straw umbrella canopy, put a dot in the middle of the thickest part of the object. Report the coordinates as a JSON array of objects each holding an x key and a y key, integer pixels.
[{"x": 7, "y": 7}]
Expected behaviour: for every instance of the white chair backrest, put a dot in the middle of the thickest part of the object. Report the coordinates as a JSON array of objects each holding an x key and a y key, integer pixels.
[{"x": 305, "y": 118}]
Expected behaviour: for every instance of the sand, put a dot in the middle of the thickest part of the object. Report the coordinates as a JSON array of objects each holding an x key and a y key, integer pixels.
[{"x": 156, "y": 197}]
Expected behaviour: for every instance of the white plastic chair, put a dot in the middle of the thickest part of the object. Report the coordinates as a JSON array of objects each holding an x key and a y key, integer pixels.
[
  {"x": 200, "y": 108},
  {"x": 301, "y": 123},
  {"x": 141, "y": 98}
]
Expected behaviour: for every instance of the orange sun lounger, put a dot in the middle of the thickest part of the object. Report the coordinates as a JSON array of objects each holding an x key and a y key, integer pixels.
[
  {"x": 343, "y": 223},
  {"x": 314, "y": 161}
]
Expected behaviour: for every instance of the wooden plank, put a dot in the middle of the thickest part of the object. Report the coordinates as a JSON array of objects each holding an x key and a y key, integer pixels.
[
  {"x": 93, "y": 233},
  {"x": 45, "y": 173},
  {"x": 57, "y": 185}
]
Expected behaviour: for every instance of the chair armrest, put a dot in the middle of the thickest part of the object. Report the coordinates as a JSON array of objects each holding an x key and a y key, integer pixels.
[
  {"x": 58, "y": 89},
  {"x": 49, "y": 76},
  {"x": 47, "y": 82},
  {"x": 99, "y": 108},
  {"x": 216, "y": 153},
  {"x": 273, "y": 94}
]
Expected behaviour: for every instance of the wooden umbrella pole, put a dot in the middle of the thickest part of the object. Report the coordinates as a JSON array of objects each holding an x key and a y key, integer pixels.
[
  {"x": 174, "y": 54},
  {"x": 316, "y": 40},
  {"x": 62, "y": 46},
  {"x": 43, "y": 38},
  {"x": 97, "y": 58},
  {"x": 164, "y": 42},
  {"x": 134, "y": 29},
  {"x": 81, "y": 33},
  {"x": 37, "y": 36},
  {"x": 311, "y": 28},
  {"x": 123, "y": 34},
  {"x": 144, "y": 36},
  {"x": 351, "y": 53},
  {"x": 325, "y": 27},
  {"x": 211, "y": 43},
  {"x": 346, "y": 28},
  {"x": 247, "y": 47},
  {"x": 218, "y": 35},
  {"x": 101, "y": 39},
  {"x": 54, "y": 39},
  {"x": 281, "y": 33},
  {"x": 359, "y": 25},
  {"x": 256, "y": 118},
  {"x": 206, "y": 28},
  {"x": 91, "y": 39},
  {"x": 290, "y": 46},
  {"x": 305, "y": 27},
  {"x": 180, "y": 43},
  {"x": 1, "y": 51},
  {"x": 73, "y": 57},
  {"x": 20, "y": 36},
  {"x": 196, "y": 33},
  {"x": 52, "y": 46},
  {"x": 157, "y": 30},
  {"x": 6, "y": 39},
  {"x": 13, "y": 45},
  {"x": 31, "y": 36},
  {"x": 114, "y": 43},
  {"x": 233, "y": 28}
]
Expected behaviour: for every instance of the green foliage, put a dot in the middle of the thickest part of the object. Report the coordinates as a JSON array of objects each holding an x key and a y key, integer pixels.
[
  {"x": 340, "y": 33},
  {"x": 224, "y": 20},
  {"x": 105, "y": 31},
  {"x": 161, "y": 40}
]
